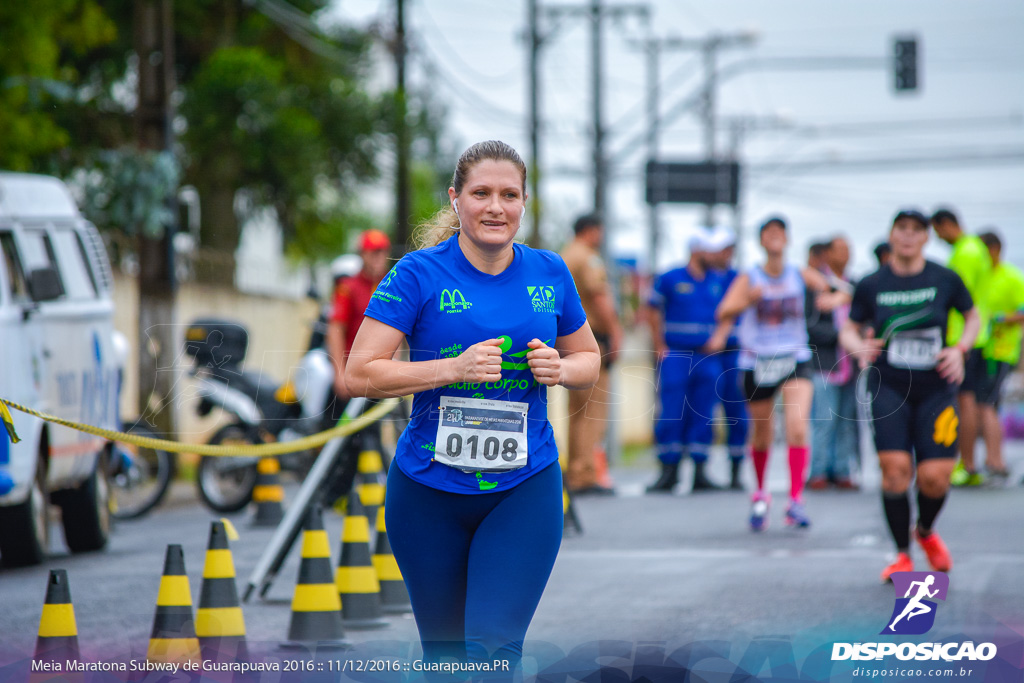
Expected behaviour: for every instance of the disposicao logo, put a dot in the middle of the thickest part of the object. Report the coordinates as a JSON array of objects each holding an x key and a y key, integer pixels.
[
  {"x": 912, "y": 615},
  {"x": 914, "y": 612}
]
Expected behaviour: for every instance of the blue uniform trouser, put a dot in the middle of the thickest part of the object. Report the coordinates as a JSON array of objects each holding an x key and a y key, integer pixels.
[
  {"x": 475, "y": 564},
  {"x": 686, "y": 402},
  {"x": 730, "y": 393},
  {"x": 835, "y": 440}
]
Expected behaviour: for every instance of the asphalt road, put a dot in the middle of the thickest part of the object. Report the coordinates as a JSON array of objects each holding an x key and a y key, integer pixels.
[{"x": 655, "y": 572}]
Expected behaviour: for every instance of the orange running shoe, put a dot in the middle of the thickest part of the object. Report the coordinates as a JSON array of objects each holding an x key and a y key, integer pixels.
[
  {"x": 903, "y": 563},
  {"x": 936, "y": 550}
]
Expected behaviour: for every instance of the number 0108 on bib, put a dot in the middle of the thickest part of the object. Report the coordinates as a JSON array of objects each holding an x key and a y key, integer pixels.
[{"x": 480, "y": 435}]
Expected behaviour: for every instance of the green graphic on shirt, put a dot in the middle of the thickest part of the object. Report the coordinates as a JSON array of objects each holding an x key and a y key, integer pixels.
[
  {"x": 484, "y": 485},
  {"x": 452, "y": 301},
  {"x": 904, "y": 321},
  {"x": 506, "y": 345},
  {"x": 542, "y": 298}
]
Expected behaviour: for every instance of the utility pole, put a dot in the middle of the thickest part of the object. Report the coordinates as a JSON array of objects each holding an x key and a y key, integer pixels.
[
  {"x": 597, "y": 104},
  {"x": 534, "y": 239},
  {"x": 596, "y": 13},
  {"x": 153, "y": 41},
  {"x": 652, "y": 48},
  {"x": 403, "y": 202}
]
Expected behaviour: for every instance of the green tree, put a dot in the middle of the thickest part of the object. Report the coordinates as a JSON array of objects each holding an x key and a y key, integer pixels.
[{"x": 40, "y": 46}]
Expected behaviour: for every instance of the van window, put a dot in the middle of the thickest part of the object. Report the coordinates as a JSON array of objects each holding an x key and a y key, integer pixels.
[
  {"x": 12, "y": 265},
  {"x": 79, "y": 282},
  {"x": 37, "y": 252}
]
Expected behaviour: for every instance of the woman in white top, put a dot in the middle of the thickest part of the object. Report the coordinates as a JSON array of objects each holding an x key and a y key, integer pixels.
[{"x": 775, "y": 354}]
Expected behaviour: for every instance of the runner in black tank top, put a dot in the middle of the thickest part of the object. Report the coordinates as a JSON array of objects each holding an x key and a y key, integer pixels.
[{"x": 898, "y": 324}]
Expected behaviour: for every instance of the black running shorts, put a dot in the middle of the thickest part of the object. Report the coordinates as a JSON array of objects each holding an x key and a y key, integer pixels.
[
  {"x": 761, "y": 392},
  {"x": 987, "y": 391},
  {"x": 974, "y": 372},
  {"x": 921, "y": 420}
]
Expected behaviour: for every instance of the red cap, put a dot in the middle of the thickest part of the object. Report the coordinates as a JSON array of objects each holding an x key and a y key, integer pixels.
[{"x": 371, "y": 240}]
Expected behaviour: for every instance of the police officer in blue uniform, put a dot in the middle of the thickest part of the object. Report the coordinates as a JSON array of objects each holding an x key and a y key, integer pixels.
[{"x": 683, "y": 302}]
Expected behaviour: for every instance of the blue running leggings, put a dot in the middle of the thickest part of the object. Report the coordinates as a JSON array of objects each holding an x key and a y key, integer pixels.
[{"x": 475, "y": 565}]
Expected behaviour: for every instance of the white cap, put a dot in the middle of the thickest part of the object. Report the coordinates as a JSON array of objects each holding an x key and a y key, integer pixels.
[
  {"x": 346, "y": 265},
  {"x": 699, "y": 240},
  {"x": 719, "y": 238}
]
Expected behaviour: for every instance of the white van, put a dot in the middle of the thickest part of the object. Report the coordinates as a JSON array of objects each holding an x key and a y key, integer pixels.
[{"x": 58, "y": 342}]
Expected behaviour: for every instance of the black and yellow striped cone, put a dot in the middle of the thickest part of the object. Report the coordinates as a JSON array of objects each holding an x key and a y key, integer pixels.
[
  {"x": 316, "y": 608},
  {"x": 570, "y": 520},
  {"x": 174, "y": 633},
  {"x": 371, "y": 481},
  {"x": 394, "y": 596},
  {"x": 58, "y": 632},
  {"x": 220, "y": 625},
  {"x": 268, "y": 493},
  {"x": 356, "y": 578}
]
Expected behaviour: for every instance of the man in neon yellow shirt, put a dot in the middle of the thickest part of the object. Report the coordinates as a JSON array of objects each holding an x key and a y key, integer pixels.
[
  {"x": 971, "y": 261},
  {"x": 1005, "y": 302}
]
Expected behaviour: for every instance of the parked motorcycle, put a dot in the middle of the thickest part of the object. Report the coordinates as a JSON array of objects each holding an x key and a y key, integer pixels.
[{"x": 264, "y": 411}]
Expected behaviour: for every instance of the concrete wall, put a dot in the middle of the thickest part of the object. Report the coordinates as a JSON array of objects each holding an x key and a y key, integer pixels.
[{"x": 278, "y": 333}]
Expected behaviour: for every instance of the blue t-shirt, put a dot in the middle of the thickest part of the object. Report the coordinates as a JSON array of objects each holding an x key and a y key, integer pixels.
[
  {"x": 688, "y": 305},
  {"x": 444, "y": 305}
]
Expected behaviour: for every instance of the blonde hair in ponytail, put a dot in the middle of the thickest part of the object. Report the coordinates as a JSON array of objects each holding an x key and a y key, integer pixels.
[
  {"x": 441, "y": 225},
  {"x": 435, "y": 229}
]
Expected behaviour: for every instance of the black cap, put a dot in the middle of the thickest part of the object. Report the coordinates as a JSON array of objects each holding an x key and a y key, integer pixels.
[
  {"x": 774, "y": 219},
  {"x": 912, "y": 213}
]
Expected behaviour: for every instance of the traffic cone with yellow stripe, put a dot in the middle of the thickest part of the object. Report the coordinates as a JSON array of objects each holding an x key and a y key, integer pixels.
[
  {"x": 58, "y": 632},
  {"x": 316, "y": 608},
  {"x": 174, "y": 633},
  {"x": 394, "y": 596},
  {"x": 356, "y": 577},
  {"x": 370, "y": 476},
  {"x": 220, "y": 625},
  {"x": 268, "y": 493}
]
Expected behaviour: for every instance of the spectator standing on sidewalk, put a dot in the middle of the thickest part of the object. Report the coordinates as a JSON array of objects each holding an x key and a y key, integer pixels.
[
  {"x": 834, "y": 436},
  {"x": 1005, "y": 303},
  {"x": 971, "y": 261},
  {"x": 351, "y": 296},
  {"x": 587, "y": 471},
  {"x": 721, "y": 249},
  {"x": 683, "y": 303}
]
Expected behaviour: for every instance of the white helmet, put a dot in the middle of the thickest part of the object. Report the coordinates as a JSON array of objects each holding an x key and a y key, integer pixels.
[{"x": 346, "y": 265}]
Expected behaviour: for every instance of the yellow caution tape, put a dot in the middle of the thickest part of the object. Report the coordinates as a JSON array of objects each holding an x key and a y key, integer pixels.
[
  {"x": 8, "y": 422},
  {"x": 229, "y": 528},
  {"x": 238, "y": 450}
]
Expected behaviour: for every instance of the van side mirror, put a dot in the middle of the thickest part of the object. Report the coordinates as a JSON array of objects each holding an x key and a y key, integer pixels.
[{"x": 44, "y": 284}]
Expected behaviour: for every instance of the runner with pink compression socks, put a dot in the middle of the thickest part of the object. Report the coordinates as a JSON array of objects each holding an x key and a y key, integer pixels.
[{"x": 774, "y": 354}]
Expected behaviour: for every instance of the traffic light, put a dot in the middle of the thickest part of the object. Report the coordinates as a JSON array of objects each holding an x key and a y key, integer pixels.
[{"x": 905, "y": 64}]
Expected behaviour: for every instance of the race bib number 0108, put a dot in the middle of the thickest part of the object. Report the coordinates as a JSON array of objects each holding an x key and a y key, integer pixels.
[{"x": 481, "y": 435}]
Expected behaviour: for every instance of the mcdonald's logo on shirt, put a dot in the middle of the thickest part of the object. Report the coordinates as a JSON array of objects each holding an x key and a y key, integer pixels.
[{"x": 452, "y": 301}]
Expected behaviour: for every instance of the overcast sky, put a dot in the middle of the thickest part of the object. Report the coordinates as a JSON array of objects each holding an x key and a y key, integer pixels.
[{"x": 971, "y": 103}]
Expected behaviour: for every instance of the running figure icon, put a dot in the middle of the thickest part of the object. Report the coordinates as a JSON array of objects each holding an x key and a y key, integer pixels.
[{"x": 915, "y": 607}]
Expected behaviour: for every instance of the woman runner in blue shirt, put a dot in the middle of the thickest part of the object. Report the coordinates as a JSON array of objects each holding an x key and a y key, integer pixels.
[{"x": 474, "y": 496}]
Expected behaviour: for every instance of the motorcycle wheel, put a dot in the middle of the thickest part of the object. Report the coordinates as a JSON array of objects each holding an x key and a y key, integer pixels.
[
  {"x": 225, "y": 484},
  {"x": 139, "y": 477}
]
